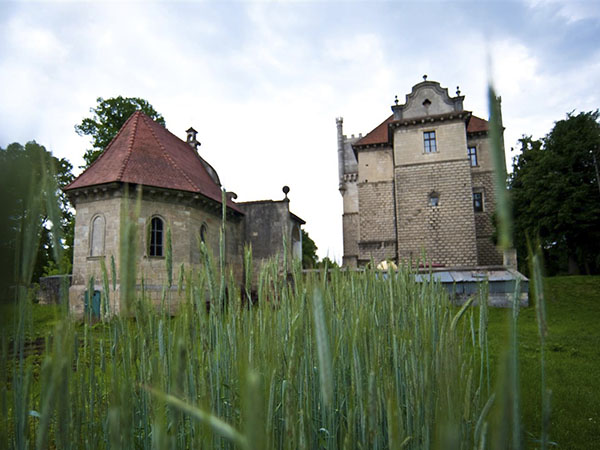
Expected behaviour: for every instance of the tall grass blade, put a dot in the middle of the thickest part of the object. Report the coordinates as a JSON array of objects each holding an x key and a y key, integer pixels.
[
  {"x": 503, "y": 207},
  {"x": 323, "y": 349},
  {"x": 217, "y": 425},
  {"x": 535, "y": 257}
]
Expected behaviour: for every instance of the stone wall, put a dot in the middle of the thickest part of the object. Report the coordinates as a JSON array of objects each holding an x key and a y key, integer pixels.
[
  {"x": 183, "y": 215},
  {"x": 350, "y": 223},
  {"x": 266, "y": 223},
  {"x": 445, "y": 232},
  {"x": 451, "y": 142},
  {"x": 50, "y": 288},
  {"x": 483, "y": 181},
  {"x": 375, "y": 165},
  {"x": 377, "y": 231},
  {"x": 106, "y": 203},
  {"x": 487, "y": 253}
]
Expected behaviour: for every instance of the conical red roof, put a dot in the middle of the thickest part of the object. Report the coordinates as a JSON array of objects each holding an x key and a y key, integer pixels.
[{"x": 144, "y": 152}]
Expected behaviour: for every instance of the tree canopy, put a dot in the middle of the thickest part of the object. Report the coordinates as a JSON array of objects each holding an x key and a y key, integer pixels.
[
  {"x": 36, "y": 223},
  {"x": 108, "y": 117},
  {"x": 309, "y": 251},
  {"x": 556, "y": 194}
]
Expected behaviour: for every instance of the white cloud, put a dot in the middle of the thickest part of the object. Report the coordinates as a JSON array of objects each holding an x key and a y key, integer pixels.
[{"x": 570, "y": 10}]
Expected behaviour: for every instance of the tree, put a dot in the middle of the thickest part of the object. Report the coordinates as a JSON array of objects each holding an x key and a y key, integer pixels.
[
  {"x": 309, "y": 251},
  {"x": 556, "y": 196},
  {"x": 328, "y": 263},
  {"x": 108, "y": 117},
  {"x": 36, "y": 213}
]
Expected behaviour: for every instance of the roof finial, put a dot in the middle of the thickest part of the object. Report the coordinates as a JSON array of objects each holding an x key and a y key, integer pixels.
[
  {"x": 425, "y": 77},
  {"x": 458, "y": 90},
  {"x": 285, "y": 190},
  {"x": 396, "y": 99}
]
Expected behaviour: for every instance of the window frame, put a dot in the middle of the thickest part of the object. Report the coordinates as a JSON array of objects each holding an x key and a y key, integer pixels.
[
  {"x": 430, "y": 199},
  {"x": 481, "y": 208},
  {"x": 92, "y": 228},
  {"x": 156, "y": 249},
  {"x": 430, "y": 142},
  {"x": 470, "y": 155},
  {"x": 203, "y": 233}
]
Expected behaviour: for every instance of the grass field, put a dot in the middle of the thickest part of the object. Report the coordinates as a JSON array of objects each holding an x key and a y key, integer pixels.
[
  {"x": 340, "y": 361},
  {"x": 368, "y": 390},
  {"x": 572, "y": 361}
]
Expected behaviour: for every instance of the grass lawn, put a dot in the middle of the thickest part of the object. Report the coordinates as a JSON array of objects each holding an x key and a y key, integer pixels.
[{"x": 572, "y": 361}]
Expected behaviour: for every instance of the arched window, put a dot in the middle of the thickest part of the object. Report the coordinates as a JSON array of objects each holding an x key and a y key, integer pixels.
[
  {"x": 156, "y": 237},
  {"x": 203, "y": 233},
  {"x": 97, "y": 236}
]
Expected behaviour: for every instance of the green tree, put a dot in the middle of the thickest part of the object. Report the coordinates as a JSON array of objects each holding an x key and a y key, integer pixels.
[
  {"x": 108, "y": 117},
  {"x": 309, "y": 251},
  {"x": 556, "y": 196},
  {"x": 327, "y": 262},
  {"x": 36, "y": 215}
]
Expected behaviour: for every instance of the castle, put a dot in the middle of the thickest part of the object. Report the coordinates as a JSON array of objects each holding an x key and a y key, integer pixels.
[
  {"x": 181, "y": 192},
  {"x": 421, "y": 182}
]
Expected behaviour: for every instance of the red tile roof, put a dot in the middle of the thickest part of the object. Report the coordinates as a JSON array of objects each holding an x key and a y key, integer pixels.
[
  {"x": 477, "y": 124},
  {"x": 379, "y": 135},
  {"x": 144, "y": 152}
]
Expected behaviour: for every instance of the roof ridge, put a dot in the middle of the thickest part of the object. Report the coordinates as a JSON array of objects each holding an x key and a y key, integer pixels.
[
  {"x": 130, "y": 145},
  {"x": 168, "y": 157},
  {"x": 103, "y": 151}
]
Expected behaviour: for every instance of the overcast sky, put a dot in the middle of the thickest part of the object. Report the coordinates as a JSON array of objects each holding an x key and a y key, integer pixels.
[{"x": 263, "y": 82}]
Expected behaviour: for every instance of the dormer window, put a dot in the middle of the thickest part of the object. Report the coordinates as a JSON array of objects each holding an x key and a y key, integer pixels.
[{"x": 429, "y": 142}]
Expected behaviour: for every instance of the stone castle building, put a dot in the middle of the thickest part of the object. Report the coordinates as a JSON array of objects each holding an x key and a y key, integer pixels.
[
  {"x": 420, "y": 182},
  {"x": 180, "y": 192}
]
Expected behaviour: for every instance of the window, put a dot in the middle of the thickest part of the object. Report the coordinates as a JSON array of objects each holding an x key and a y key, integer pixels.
[
  {"x": 434, "y": 199},
  {"x": 478, "y": 201},
  {"x": 203, "y": 233},
  {"x": 429, "y": 142},
  {"x": 472, "y": 153},
  {"x": 97, "y": 237},
  {"x": 156, "y": 237},
  {"x": 296, "y": 242}
]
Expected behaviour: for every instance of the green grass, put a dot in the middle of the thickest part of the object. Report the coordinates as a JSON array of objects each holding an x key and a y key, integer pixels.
[
  {"x": 572, "y": 368},
  {"x": 572, "y": 361},
  {"x": 350, "y": 360}
]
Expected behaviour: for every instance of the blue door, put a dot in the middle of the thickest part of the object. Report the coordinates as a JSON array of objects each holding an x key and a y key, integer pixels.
[{"x": 93, "y": 310}]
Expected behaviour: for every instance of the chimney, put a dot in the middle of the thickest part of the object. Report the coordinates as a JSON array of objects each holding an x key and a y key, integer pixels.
[{"x": 191, "y": 138}]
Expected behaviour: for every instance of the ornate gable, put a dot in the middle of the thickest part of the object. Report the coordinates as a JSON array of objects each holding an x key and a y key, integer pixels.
[{"x": 428, "y": 98}]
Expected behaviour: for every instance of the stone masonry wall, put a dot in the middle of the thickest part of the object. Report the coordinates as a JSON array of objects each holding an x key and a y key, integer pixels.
[
  {"x": 350, "y": 223},
  {"x": 487, "y": 253},
  {"x": 445, "y": 232},
  {"x": 184, "y": 218},
  {"x": 483, "y": 181},
  {"x": 376, "y": 221},
  {"x": 350, "y": 220}
]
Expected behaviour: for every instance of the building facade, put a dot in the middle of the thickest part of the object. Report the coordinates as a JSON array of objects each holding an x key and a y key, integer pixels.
[
  {"x": 419, "y": 184},
  {"x": 150, "y": 176}
]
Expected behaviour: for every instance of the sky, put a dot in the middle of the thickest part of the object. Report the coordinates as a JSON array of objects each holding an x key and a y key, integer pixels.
[{"x": 263, "y": 82}]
